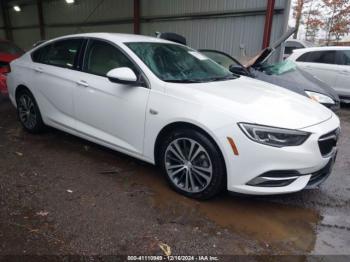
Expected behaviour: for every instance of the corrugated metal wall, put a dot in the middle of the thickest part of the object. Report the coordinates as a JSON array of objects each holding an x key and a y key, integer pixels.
[
  {"x": 2, "y": 31},
  {"x": 235, "y": 35},
  {"x": 58, "y": 12},
  {"x": 232, "y": 34},
  {"x": 165, "y": 7}
]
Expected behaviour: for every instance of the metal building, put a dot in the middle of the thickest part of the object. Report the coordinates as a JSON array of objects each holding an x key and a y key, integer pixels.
[{"x": 235, "y": 26}]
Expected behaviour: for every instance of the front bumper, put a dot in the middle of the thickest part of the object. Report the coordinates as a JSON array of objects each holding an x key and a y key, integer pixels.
[{"x": 254, "y": 160}]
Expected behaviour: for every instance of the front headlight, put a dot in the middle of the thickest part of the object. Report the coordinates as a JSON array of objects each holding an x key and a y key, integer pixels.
[
  {"x": 273, "y": 136},
  {"x": 323, "y": 99}
]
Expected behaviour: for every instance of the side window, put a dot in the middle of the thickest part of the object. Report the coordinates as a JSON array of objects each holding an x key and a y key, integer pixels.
[
  {"x": 64, "y": 53},
  {"x": 327, "y": 57},
  {"x": 305, "y": 57},
  {"x": 323, "y": 57},
  {"x": 40, "y": 55},
  {"x": 101, "y": 57},
  {"x": 343, "y": 57}
]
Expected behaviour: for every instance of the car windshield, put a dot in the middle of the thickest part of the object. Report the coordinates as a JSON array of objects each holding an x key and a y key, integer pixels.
[
  {"x": 176, "y": 63},
  {"x": 10, "y": 48},
  {"x": 279, "y": 68}
]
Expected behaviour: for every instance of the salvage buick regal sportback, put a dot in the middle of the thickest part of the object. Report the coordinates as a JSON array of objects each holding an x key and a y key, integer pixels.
[{"x": 169, "y": 105}]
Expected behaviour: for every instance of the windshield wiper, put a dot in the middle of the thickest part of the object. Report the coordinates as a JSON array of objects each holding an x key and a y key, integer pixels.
[{"x": 182, "y": 80}]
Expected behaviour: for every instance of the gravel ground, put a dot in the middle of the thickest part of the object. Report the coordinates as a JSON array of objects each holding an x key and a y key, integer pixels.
[{"x": 63, "y": 195}]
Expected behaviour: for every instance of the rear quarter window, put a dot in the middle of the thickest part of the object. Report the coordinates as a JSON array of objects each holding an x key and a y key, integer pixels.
[
  {"x": 40, "y": 55},
  {"x": 62, "y": 53}
]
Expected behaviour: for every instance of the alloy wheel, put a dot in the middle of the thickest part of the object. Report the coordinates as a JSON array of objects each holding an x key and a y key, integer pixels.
[
  {"x": 188, "y": 165},
  {"x": 26, "y": 110}
]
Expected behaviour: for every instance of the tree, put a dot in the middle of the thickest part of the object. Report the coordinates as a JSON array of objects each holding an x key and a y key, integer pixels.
[
  {"x": 313, "y": 21},
  {"x": 337, "y": 15},
  {"x": 297, "y": 14},
  {"x": 301, "y": 16},
  {"x": 313, "y": 26}
]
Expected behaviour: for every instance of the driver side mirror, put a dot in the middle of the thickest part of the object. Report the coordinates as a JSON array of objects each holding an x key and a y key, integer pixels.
[
  {"x": 122, "y": 75},
  {"x": 238, "y": 70}
]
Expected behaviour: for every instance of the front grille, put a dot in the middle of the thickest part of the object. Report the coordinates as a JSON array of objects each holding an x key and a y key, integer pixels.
[{"x": 327, "y": 142}]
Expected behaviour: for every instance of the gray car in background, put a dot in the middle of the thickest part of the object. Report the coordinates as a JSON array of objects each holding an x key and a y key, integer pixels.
[{"x": 285, "y": 74}]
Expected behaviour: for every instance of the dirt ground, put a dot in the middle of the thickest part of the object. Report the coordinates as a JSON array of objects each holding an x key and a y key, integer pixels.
[{"x": 62, "y": 195}]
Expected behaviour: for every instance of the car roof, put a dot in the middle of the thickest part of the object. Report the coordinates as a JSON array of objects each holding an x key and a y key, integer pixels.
[
  {"x": 117, "y": 37},
  {"x": 302, "y": 42},
  {"x": 322, "y": 48}
]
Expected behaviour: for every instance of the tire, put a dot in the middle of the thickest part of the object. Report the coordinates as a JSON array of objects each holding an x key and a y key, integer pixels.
[
  {"x": 189, "y": 153},
  {"x": 28, "y": 112}
]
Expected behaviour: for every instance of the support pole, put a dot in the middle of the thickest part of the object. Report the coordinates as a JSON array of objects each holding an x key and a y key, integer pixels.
[
  {"x": 7, "y": 21},
  {"x": 137, "y": 17},
  {"x": 39, "y": 5},
  {"x": 268, "y": 23}
]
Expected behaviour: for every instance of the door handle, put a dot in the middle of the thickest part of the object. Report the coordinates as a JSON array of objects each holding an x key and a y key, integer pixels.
[
  {"x": 83, "y": 83},
  {"x": 38, "y": 70}
]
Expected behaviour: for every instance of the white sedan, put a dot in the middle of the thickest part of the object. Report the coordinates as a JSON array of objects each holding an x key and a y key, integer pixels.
[
  {"x": 170, "y": 105},
  {"x": 331, "y": 64}
]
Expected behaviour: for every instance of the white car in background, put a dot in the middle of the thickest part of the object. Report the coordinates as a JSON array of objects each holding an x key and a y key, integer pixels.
[
  {"x": 330, "y": 64},
  {"x": 168, "y": 104}
]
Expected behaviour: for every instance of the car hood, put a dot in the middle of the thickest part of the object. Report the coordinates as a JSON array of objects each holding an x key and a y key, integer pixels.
[
  {"x": 254, "y": 101},
  {"x": 298, "y": 81}
]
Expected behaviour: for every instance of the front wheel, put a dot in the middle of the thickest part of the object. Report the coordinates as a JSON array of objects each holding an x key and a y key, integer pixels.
[{"x": 193, "y": 164}]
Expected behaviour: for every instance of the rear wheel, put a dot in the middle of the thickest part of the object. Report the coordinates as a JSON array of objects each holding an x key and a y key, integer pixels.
[
  {"x": 193, "y": 164},
  {"x": 28, "y": 112}
]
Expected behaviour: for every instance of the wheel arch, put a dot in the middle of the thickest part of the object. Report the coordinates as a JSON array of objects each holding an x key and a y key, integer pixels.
[
  {"x": 172, "y": 127},
  {"x": 20, "y": 88}
]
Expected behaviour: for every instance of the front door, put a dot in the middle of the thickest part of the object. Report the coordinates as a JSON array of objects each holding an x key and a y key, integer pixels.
[{"x": 110, "y": 112}]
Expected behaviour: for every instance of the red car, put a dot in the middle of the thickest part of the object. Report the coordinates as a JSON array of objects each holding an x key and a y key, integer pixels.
[{"x": 8, "y": 52}]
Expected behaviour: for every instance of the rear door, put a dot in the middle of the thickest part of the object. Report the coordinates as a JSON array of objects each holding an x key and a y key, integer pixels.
[
  {"x": 321, "y": 64},
  {"x": 54, "y": 70}
]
